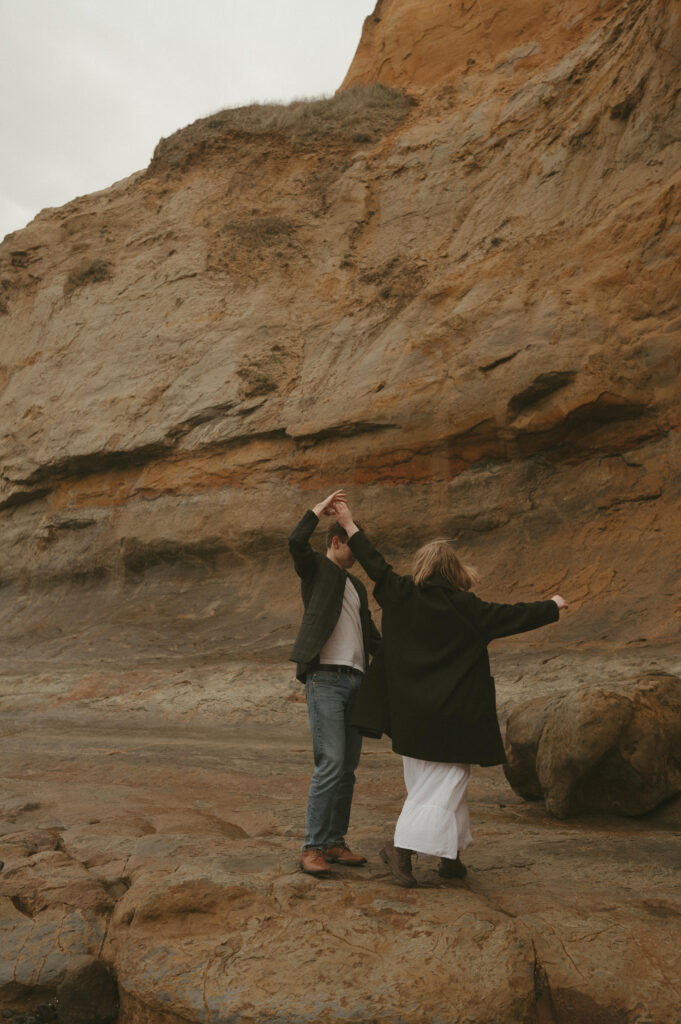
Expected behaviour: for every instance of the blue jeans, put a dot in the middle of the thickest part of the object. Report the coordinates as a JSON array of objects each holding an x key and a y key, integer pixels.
[{"x": 337, "y": 746}]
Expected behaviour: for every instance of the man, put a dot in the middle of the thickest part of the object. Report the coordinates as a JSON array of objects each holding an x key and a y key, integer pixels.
[{"x": 332, "y": 650}]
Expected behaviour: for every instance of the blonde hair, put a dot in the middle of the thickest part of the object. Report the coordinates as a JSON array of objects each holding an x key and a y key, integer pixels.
[{"x": 438, "y": 557}]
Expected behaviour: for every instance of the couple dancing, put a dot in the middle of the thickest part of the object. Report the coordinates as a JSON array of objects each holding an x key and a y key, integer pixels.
[{"x": 428, "y": 687}]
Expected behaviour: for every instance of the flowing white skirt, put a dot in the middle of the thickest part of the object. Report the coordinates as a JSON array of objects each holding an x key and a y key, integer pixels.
[{"x": 434, "y": 817}]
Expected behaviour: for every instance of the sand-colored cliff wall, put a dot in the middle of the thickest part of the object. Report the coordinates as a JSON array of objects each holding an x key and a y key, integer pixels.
[
  {"x": 456, "y": 293},
  {"x": 420, "y": 46}
]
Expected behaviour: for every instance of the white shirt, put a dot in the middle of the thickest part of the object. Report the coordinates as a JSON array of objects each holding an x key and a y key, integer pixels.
[{"x": 345, "y": 646}]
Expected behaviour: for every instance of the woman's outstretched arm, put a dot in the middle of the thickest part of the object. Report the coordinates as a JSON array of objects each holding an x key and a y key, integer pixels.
[{"x": 499, "y": 620}]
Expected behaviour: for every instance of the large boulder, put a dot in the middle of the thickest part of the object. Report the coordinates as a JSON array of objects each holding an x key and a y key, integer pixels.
[
  {"x": 240, "y": 945},
  {"x": 599, "y": 749}
]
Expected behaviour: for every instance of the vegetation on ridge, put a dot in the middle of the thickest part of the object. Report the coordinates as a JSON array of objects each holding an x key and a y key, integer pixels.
[{"x": 359, "y": 115}]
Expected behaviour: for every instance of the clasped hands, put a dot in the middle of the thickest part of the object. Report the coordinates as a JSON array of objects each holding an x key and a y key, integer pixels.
[{"x": 336, "y": 504}]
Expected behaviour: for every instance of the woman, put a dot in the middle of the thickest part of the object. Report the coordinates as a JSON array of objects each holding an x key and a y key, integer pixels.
[{"x": 430, "y": 689}]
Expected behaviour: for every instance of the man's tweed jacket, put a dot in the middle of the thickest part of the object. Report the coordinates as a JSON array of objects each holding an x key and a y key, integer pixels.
[{"x": 322, "y": 584}]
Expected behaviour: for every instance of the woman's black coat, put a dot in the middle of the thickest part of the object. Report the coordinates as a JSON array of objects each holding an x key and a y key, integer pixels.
[{"x": 429, "y": 686}]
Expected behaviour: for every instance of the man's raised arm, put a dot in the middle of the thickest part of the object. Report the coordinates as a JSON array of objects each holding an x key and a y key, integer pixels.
[{"x": 299, "y": 539}]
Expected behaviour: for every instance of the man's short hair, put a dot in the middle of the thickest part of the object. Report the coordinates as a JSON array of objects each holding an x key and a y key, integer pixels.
[{"x": 336, "y": 530}]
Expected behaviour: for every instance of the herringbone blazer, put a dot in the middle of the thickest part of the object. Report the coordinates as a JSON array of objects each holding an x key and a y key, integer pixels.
[{"x": 322, "y": 584}]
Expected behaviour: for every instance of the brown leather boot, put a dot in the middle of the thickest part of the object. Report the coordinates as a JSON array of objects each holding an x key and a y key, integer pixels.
[
  {"x": 399, "y": 862},
  {"x": 342, "y": 854},
  {"x": 452, "y": 868},
  {"x": 313, "y": 862}
]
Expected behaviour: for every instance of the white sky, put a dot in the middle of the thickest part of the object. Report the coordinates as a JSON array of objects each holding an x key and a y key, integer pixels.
[{"x": 88, "y": 87}]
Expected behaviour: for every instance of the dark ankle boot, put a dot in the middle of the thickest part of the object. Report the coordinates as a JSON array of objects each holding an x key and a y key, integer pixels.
[
  {"x": 452, "y": 868},
  {"x": 399, "y": 862}
]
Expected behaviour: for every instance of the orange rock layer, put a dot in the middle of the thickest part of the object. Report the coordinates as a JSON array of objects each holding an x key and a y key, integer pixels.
[{"x": 455, "y": 292}]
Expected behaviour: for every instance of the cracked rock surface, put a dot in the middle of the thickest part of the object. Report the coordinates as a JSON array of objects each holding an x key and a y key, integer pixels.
[{"x": 164, "y": 840}]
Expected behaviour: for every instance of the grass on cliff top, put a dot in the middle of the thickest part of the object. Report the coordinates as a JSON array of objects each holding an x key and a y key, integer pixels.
[
  {"x": 372, "y": 108},
  {"x": 360, "y": 115}
]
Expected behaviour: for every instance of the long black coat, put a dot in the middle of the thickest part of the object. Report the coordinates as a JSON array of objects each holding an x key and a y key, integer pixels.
[
  {"x": 429, "y": 686},
  {"x": 322, "y": 585}
]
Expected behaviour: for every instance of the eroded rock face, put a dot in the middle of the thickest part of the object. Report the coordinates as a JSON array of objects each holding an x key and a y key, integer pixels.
[
  {"x": 597, "y": 749},
  {"x": 421, "y": 46},
  {"x": 466, "y": 310}
]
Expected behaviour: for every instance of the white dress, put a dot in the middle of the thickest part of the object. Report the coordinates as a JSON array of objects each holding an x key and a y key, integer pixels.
[{"x": 434, "y": 817}]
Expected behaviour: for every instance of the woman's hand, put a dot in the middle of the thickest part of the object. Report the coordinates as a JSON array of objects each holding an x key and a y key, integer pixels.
[
  {"x": 344, "y": 517},
  {"x": 328, "y": 506},
  {"x": 560, "y": 601}
]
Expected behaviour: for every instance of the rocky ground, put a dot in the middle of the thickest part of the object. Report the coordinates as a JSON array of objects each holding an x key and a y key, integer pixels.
[
  {"x": 156, "y": 825},
  {"x": 455, "y": 292}
]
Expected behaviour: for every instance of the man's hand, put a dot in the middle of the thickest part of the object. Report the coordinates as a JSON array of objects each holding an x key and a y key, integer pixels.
[
  {"x": 344, "y": 517},
  {"x": 328, "y": 506},
  {"x": 560, "y": 601}
]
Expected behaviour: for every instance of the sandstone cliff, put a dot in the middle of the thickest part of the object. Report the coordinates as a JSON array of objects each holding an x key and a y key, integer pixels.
[{"x": 457, "y": 293}]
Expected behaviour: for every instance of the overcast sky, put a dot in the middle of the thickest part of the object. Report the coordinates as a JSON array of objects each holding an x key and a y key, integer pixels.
[{"x": 88, "y": 87}]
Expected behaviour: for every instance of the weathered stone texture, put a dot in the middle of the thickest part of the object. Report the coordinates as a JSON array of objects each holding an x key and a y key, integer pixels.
[
  {"x": 466, "y": 310},
  {"x": 599, "y": 749}
]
